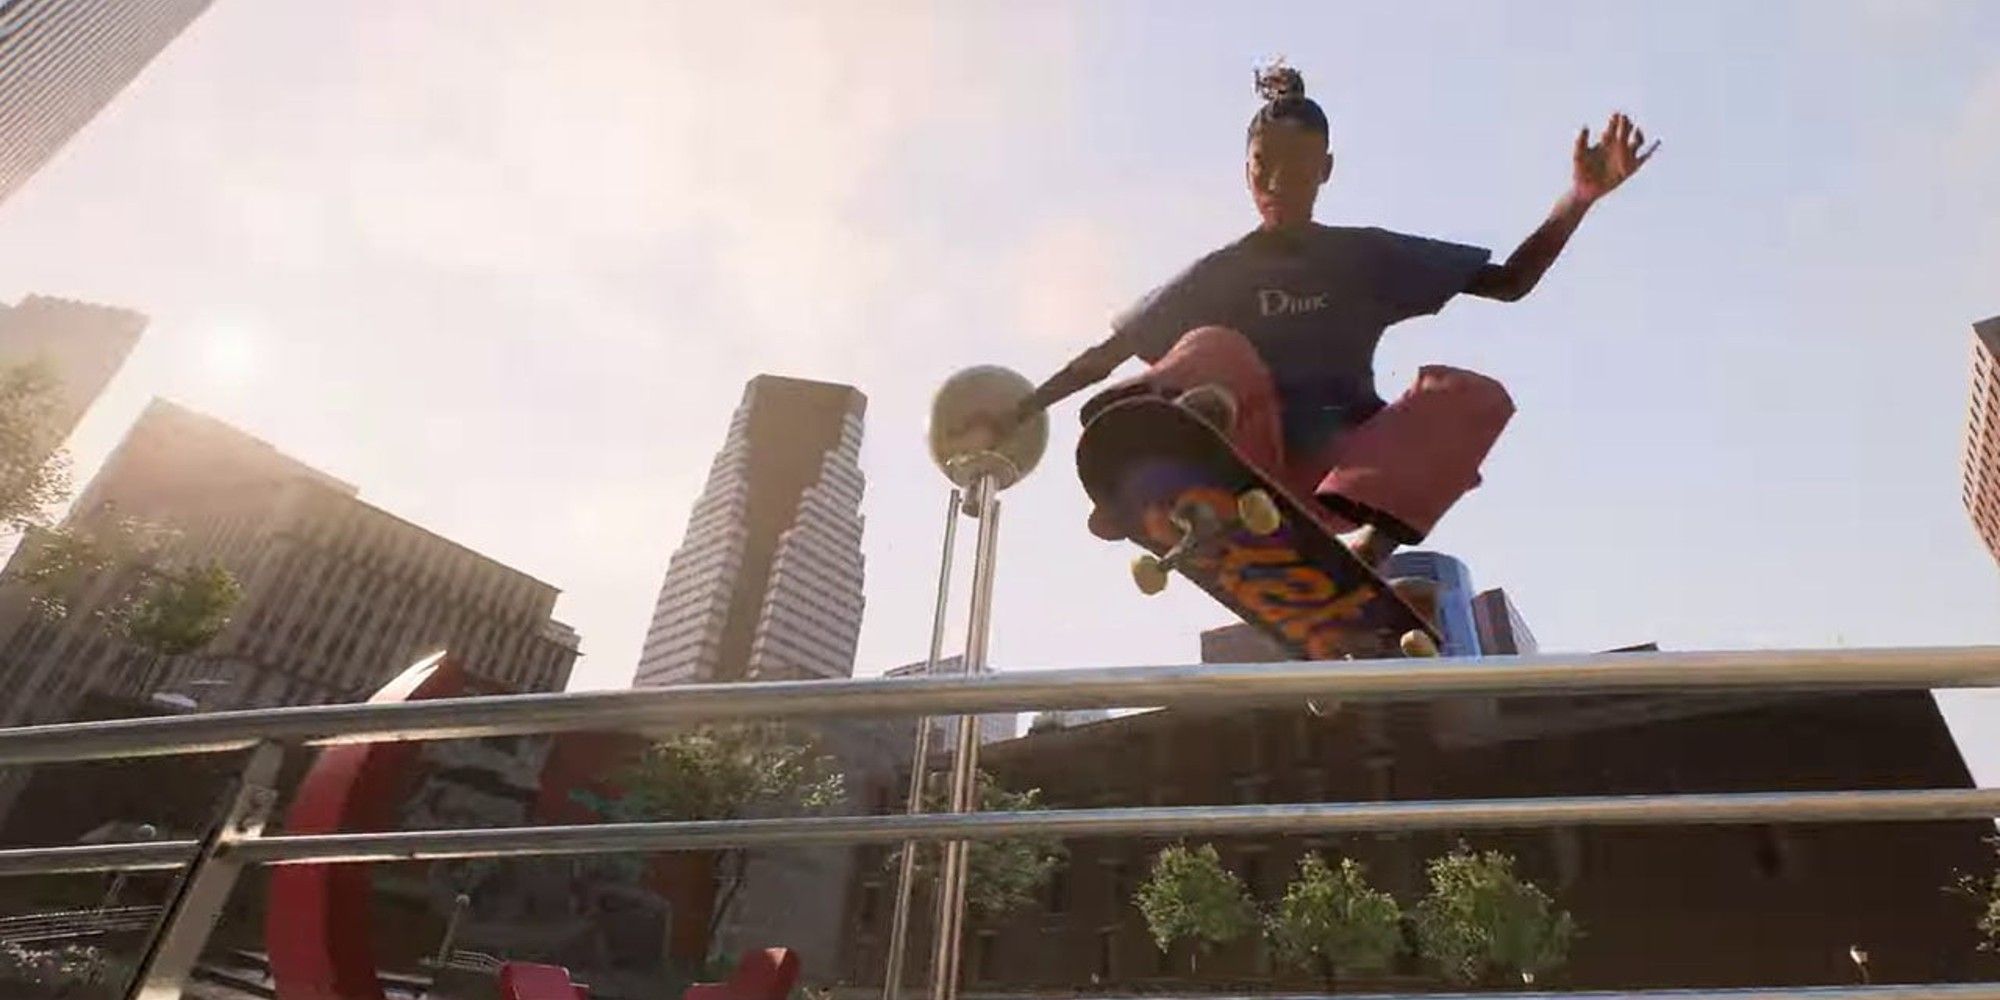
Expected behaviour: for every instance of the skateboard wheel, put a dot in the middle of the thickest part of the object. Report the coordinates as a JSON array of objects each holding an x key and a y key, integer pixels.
[
  {"x": 1418, "y": 643},
  {"x": 1258, "y": 512},
  {"x": 1150, "y": 576}
]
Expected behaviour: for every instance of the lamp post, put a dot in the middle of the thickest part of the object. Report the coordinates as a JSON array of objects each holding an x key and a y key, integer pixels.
[{"x": 978, "y": 471}]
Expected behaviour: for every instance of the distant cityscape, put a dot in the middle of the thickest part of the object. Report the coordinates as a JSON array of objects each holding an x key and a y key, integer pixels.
[{"x": 338, "y": 596}]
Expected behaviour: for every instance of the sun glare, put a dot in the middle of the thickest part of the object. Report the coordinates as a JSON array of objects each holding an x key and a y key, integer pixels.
[{"x": 229, "y": 355}]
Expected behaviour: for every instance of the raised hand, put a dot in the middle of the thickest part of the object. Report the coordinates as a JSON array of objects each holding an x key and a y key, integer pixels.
[{"x": 1601, "y": 167}]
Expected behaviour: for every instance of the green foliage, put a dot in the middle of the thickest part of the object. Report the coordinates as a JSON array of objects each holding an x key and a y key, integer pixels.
[
  {"x": 1188, "y": 896},
  {"x": 178, "y": 613},
  {"x": 1984, "y": 893},
  {"x": 165, "y": 612},
  {"x": 57, "y": 566},
  {"x": 1480, "y": 921},
  {"x": 34, "y": 473},
  {"x": 718, "y": 771},
  {"x": 1332, "y": 921},
  {"x": 728, "y": 771},
  {"x": 1001, "y": 875}
]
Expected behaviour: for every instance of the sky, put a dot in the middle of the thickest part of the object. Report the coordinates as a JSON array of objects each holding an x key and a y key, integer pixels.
[{"x": 507, "y": 265}]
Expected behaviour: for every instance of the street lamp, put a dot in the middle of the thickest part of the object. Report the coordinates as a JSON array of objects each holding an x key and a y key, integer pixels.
[
  {"x": 458, "y": 905},
  {"x": 145, "y": 832}
]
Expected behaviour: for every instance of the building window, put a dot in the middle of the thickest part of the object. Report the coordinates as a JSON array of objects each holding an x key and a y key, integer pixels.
[
  {"x": 1117, "y": 880},
  {"x": 982, "y": 964},
  {"x": 1250, "y": 791},
  {"x": 1107, "y": 948},
  {"x": 871, "y": 903},
  {"x": 1567, "y": 846},
  {"x": 1381, "y": 776},
  {"x": 1251, "y": 870},
  {"x": 1774, "y": 853},
  {"x": 1059, "y": 890},
  {"x": 1312, "y": 784}
]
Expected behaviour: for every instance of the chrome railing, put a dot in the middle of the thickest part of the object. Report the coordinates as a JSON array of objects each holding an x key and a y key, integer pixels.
[
  {"x": 210, "y": 865},
  {"x": 67, "y": 925}
]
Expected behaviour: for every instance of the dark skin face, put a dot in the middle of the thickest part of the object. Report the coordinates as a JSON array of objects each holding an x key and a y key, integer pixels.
[{"x": 1285, "y": 166}]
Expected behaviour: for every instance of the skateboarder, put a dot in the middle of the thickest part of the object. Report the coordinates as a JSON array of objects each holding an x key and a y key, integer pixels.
[{"x": 1272, "y": 338}]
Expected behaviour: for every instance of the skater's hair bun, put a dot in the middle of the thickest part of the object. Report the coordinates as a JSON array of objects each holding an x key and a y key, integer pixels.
[{"x": 1284, "y": 92}]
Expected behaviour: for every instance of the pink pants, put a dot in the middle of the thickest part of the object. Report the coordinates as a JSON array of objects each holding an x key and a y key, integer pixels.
[{"x": 1400, "y": 469}]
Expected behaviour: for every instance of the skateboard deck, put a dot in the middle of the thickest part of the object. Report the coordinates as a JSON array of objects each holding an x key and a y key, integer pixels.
[{"x": 1186, "y": 495}]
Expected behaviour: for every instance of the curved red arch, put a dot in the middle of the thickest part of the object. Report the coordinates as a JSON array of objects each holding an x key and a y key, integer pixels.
[{"x": 316, "y": 924}]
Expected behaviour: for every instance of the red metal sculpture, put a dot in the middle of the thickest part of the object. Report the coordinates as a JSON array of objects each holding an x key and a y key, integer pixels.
[{"x": 316, "y": 927}]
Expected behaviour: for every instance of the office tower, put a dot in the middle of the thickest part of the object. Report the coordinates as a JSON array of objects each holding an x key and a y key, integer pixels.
[
  {"x": 1981, "y": 465},
  {"x": 944, "y": 730},
  {"x": 1454, "y": 612},
  {"x": 1502, "y": 630},
  {"x": 62, "y": 61},
  {"x": 77, "y": 346},
  {"x": 766, "y": 584}
]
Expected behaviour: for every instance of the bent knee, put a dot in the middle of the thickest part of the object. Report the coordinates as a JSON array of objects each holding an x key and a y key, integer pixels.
[
  {"x": 1217, "y": 342},
  {"x": 1216, "y": 354},
  {"x": 1477, "y": 393}
]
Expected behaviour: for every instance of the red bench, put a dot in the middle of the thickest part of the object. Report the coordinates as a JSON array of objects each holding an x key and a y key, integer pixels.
[
  {"x": 763, "y": 974},
  {"x": 530, "y": 981}
]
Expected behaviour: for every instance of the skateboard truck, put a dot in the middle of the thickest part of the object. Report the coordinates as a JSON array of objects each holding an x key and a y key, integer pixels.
[{"x": 1201, "y": 525}]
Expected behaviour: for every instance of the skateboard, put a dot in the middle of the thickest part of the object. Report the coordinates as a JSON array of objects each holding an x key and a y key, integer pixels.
[{"x": 1185, "y": 494}]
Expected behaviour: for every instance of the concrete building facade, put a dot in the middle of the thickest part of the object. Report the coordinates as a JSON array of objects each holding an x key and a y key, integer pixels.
[
  {"x": 766, "y": 584},
  {"x": 338, "y": 595},
  {"x": 944, "y": 731},
  {"x": 62, "y": 61},
  {"x": 78, "y": 347},
  {"x": 1980, "y": 466},
  {"x": 1659, "y": 906},
  {"x": 1502, "y": 630}
]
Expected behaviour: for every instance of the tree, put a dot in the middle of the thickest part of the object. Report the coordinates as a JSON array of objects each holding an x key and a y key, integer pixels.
[
  {"x": 722, "y": 772},
  {"x": 163, "y": 610},
  {"x": 1188, "y": 896},
  {"x": 1001, "y": 875},
  {"x": 1332, "y": 921},
  {"x": 179, "y": 612},
  {"x": 1479, "y": 921},
  {"x": 1985, "y": 893},
  {"x": 34, "y": 472}
]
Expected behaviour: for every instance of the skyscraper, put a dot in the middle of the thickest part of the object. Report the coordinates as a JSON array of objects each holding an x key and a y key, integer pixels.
[
  {"x": 1502, "y": 630},
  {"x": 944, "y": 729},
  {"x": 79, "y": 345},
  {"x": 766, "y": 584},
  {"x": 1454, "y": 611},
  {"x": 62, "y": 61},
  {"x": 1982, "y": 435}
]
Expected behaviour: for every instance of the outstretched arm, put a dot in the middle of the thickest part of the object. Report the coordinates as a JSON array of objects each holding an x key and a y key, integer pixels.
[
  {"x": 1598, "y": 169},
  {"x": 1089, "y": 368},
  {"x": 986, "y": 430}
]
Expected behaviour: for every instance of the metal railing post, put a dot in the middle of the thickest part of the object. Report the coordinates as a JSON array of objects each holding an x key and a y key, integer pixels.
[
  {"x": 196, "y": 903},
  {"x": 899, "y": 923},
  {"x": 965, "y": 761},
  {"x": 459, "y": 903}
]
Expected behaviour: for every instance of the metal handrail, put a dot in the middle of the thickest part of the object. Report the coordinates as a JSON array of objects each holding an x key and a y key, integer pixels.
[
  {"x": 1897, "y": 805},
  {"x": 1019, "y": 690},
  {"x": 60, "y": 925},
  {"x": 1913, "y": 991},
  {"x": 236, "y": 839},
  {"x": 67, "y": 916}
]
